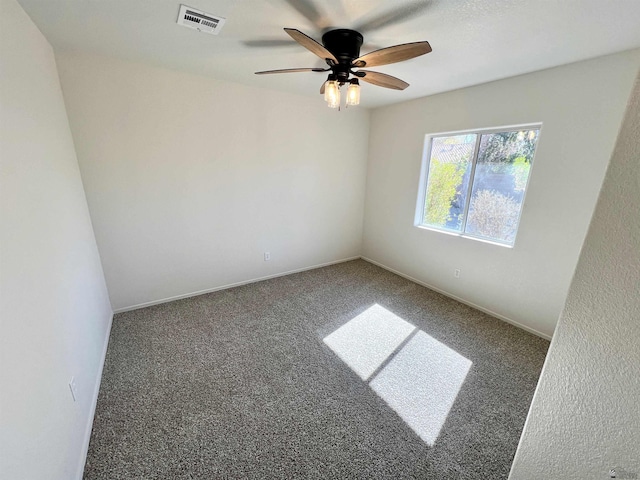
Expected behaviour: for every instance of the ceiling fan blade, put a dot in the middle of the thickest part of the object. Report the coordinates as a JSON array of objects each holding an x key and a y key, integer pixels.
[
  {"x": 382, "y": 79},
  {"x": 322, "y": 88},
  {"x": 397, "y": 53},
  {"x": 393, "y": 16},
  {"x": 310, "y": 44},
  {"x": 292, "y": 70},
  {"x": 308, "y": 10}
]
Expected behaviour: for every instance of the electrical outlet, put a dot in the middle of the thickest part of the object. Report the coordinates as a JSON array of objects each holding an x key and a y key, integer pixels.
[
  {"x": 267, "y": 256},
  {"x": 74, "y": 389},
  {"x": 456, "y": 273}
]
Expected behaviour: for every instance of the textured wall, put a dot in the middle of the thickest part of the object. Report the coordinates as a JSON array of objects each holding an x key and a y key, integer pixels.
[
  {"x": 585, "y": 416},
  {"x": 580, "y": 107},
  {"x": 190, "y": 180},
  {"x": 54, "y": 307}
]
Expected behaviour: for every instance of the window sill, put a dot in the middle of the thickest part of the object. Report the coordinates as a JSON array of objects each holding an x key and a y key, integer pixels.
[{"x": 462, "y": 235}]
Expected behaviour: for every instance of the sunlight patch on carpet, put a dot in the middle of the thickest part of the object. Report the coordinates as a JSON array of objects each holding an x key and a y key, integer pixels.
[
  {"x": 367, "y": 340},
  {"x": 421, "y": 383},
  {"x": 419, "y": 379}
]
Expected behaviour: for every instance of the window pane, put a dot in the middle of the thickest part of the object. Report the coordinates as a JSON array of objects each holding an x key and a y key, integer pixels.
[
  {"x": 499, "y": 182},
  {"x": 448, "y": 181}
]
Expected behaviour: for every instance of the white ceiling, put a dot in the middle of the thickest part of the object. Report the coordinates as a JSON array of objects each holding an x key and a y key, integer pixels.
[{"x": 473, "y": 41}]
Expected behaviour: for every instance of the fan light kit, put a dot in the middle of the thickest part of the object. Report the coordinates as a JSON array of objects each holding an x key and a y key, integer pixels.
[{"x": 340, "y": 49}]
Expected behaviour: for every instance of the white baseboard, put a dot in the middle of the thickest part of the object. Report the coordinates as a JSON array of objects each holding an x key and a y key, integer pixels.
[
  {"x": 230, "y": 285},
  {"x": 94, "y": 402},
  {"x": 461, "y": 300}
]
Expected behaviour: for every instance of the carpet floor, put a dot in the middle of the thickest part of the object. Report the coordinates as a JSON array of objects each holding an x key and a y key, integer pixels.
[{"x": 346, "y": 371}]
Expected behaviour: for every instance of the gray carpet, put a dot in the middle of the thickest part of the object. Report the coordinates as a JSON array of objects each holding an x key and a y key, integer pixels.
[{"x": 266, "y": 381}]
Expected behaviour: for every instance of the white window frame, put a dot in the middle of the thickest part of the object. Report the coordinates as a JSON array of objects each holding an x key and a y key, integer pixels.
[{"x": 424, "y": 172}]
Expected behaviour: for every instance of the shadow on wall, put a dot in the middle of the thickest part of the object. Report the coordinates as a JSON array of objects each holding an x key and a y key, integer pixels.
[{"x": 416, "y": 375}]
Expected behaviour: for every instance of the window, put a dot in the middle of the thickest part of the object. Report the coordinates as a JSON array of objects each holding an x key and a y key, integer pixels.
[{"x": 473, "y": 183}]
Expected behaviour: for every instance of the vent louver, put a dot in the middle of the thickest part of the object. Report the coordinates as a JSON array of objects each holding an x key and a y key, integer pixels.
[{"x": 201, "y": 21}]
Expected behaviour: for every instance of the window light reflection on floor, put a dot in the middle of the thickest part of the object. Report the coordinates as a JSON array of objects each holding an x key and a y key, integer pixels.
[
  {"x": 420, "y": 377},
  {"x": 367, "y": 340}
]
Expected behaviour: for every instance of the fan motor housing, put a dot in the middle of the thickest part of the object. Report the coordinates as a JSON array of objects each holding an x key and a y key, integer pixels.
[{"x": 343, "y": 43}]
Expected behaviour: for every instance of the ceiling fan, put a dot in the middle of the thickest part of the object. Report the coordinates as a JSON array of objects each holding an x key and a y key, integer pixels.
[{"x": 340, "y": 49}]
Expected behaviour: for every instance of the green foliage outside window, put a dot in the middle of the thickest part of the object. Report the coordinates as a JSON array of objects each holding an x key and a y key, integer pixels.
[
  {"x": 444, "y": 179},
  {"x": 520, "y": 169},
  {"x": 501, "y": 149}
]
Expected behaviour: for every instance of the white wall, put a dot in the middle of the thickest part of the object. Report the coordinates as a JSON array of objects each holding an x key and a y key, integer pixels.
[
  {"x": 54, "y": 307},
  {"x": 581, "y": 107},
  {"x": 585, "y": 417},
  {"x": 190, "y": 180}
]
